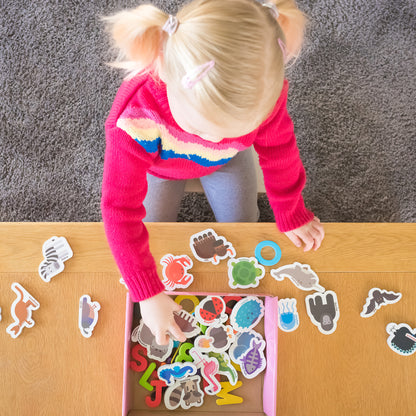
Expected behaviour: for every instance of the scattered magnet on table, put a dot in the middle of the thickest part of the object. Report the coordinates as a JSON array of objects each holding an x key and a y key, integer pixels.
[
  {"x": 225, "y": 366},
  {"x": 207, "y": 246},
  {"x": 301, "y": 275},
  {"x": 187, "y": 323},
  {"x": 175, "y": 271},
  {"x": 209, "y": 368},
  {"x": 88, "y": 315},
  {"x": 277, "y": 253},
  {"x": 288, "y": 315},
  {"x": 247, "y": 313},
  {"x": 171, "y": 372},
  {"x": 376, "y": 299},
  {"x": 21, "y": 310},
  {"x": 224, "y": 395},
  {"x": 253, "y": 362},
  {"x": 323, "y": 310},
  {"x": 188, "y": 302},
  {"x": 402, "y": 338},
  {"x": 244, "y": 272},
  {"x": 55, "y": 251},
  {"x": 211, "y": 310},
  {"x": 123, "y": 283},
  {"x": 185, "y": 393}
]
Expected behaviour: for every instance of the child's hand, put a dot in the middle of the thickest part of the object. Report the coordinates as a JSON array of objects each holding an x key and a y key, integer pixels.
[
  {"x": 157, "y": 314},
  {"x": 311, "y": 234}
]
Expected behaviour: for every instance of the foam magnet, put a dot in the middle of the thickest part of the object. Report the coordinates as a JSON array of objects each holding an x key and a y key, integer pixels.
[
  {"x": 56, "y": 250},
  {"x": 171, "y": 372},
  {"x": 224, "y": 395},
  {"x": 88, "y": 315},
  {"x": 140, "y": 363},
  {"x": 187, "y": 323},
  {"x": 230, "y": 302},
  {"x": 175, "y": 271},
  {"x": 185, "y": 393},
  {"x": 276, "y": 249},
  {"x": 242, "y": 344},
  {"x": 188, "y": 302},
  {"x": 207, "y": 246},
  {"x": 247, "y": 313},
  {"x": 253, "y": 362},
  {"x": 144, "y": 379},
  {"x": 183, "y": 353},
  {"x": 21, "y": 310},
  {"x": 244, "y": 272},
  {"x": 288, "y": 315},
  {"x": 323, "y": 310},
  {"x": 225, "y": 366},
  {"x": 154, "y": 351},
  {"x": 301, "y": 275},
  {"x": 211, "y": 310},
  {"x": 209, "y": 368},
  {"x": 402, "y": 338},
  {"x": 158, "y": 386},
  {"x": 376, "y": 299}
]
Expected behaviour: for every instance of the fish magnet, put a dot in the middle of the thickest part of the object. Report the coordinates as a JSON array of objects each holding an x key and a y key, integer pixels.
[
  {"x": 242, "y": 344},
  {"x": 323, "y": 310},
  {"x": 171, "y": 372},
  {"x": 301, "y": 275},
  {"x": 253, "y": 362},
  {"x": 402, "y": 338},
  {"x": 244, "y": 272},
  {"x": 288, "y": 315},
  {"x": 211, "y": 310},
  {"x": 247, "y": 313},
  {"x": 207, "y": 246},
  {"x": 21, "y": 310},
  {"x": 88, "y": 315},
  {"x": 185, "y": 393},
  {"x": 175, "y": 271},
  {"x": 56, "y": 250},
  {"x": 376, "y": 299}
]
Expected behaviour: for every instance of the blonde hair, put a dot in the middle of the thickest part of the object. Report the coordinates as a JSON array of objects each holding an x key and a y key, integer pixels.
[{"x": 241, "y": 36}]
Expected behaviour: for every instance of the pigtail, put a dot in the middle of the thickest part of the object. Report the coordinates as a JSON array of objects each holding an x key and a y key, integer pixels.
[{"x": 138, "y": 37}]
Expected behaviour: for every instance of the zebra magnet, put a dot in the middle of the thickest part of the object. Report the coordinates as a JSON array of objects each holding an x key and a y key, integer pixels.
[{"x": 56, "y": 250}]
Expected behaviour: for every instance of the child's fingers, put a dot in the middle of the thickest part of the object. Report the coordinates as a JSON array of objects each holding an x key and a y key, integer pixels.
[
  {"x": 294, "y": 239},
  {"x": 161, "y": 338},
  {"x": 177, "y": 333}
]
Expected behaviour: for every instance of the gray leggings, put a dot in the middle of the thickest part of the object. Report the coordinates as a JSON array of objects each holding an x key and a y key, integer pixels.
[{"x": 231, "y": 191}]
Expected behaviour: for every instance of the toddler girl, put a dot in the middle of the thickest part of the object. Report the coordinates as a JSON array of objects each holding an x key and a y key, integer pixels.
[{"x": 202, "y": 87}]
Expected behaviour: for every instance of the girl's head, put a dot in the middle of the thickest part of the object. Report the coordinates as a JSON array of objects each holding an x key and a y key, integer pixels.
[{"x": 237, "y": 47}]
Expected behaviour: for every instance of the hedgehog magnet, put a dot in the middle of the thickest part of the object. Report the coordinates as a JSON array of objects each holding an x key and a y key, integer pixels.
[
  {"x": 402, "y": 338},
  {"x": 211, "y": 310},
  {"x": 247, "y": 313},
  {"x": 175, "y": 271},
  {"x": 323, "y": 310},
  {"x": 376, "y": 299},
  {"x": 88, "y": 315},
  {"x": 207, "y": 246},
  {"x": 56, "y": 250},
  {"x": 244, "y": 272}
]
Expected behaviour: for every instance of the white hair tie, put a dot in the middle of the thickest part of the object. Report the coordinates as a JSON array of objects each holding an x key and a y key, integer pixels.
[
  {"x": 273, "y": 8},
  {"x": 171, "y": 25}
]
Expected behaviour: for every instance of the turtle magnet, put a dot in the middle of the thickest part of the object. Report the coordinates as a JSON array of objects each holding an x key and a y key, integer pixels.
[
  {"x": 88, "y": 315},
  {"x": 301, "y": 275},
  {"x": 244, "y": 272},
  {"x": 21, "y": 310},
  {"x": 402, "y": 338},
  {"x": 175, "y": 271},
  {"x": 376, "y": 299},
  {"x": 56, "y": 250},
  {"x": 288, "y": 315},
  {"x": 323, "y": 310},
  {"x": 247, "y": 313},
  {"x": 207, "y": 246}
]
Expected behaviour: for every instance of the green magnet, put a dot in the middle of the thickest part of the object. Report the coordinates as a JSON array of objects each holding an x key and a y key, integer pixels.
[
  {"x": 145, "y": 377},
  {"x": 183, "y": 353}
]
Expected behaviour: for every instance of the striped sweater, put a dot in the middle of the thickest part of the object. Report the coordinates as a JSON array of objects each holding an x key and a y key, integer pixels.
[{"x": 142, "y": 137}]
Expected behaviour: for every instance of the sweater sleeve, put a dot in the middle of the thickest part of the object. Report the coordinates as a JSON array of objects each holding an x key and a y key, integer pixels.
[
  {"x": 123, "y": 191},
  {"x": 284, "y": 174}
]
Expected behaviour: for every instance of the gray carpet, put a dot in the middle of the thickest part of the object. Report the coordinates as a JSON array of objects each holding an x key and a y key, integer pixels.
[{"x": 352, "y": 99}]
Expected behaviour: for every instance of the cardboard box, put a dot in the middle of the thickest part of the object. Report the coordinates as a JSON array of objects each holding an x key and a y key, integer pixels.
[{"x": 259, "y": 394}]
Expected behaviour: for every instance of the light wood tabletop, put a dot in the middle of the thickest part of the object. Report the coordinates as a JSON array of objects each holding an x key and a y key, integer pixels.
[{"x": 51, "y": 369}]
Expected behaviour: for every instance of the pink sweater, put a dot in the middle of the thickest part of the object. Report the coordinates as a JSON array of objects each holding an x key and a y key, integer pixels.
[{"x": 142, "y": 136}]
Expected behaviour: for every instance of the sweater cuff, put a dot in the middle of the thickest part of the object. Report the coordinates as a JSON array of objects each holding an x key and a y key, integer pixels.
[
  {"x": 144, "y": 285},
  {"x": 288, "y": 221}
]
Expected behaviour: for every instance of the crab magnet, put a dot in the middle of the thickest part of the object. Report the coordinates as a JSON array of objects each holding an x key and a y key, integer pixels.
[
  {"x": 247, "y": 313},
  {"x": 376, "y": 299},
  {"x": 21, "y": 310},
  {"x": 56, "y": 250},
  {"x": 244, "y": 272},
  {"x": 208, "y": 246},
  {"x": 402, "y": 338},
  {"x": 88, "y": 315},
  {"x": 175, "y": 271},
  {"x": 211, "y": 310},
  {"x": 288, "y": 315},
  {"x": 323, "y": 310},
  {"x": 301, "y": 275}
]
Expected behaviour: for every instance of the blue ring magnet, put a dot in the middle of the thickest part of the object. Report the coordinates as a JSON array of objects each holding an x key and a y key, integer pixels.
[{"x": 274, "y": 246}]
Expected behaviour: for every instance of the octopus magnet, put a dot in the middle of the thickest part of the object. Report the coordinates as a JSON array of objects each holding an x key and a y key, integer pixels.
[
  {"x": 402, "y": 338},
  {"x": 21, "y": 310},
  {"x": 301, "y": 275},
  {"x": 247, "y": 313},
  {"x": 244, "y": 272},
  {"x": 323, "y": 310},
  {"x": 288, "y": 315},
  {"x": 88, "y": 315},
  {"x": 207, "y": 246},
  {"x": 56, "y": 251},
  {"x": 175, "y": 271},
  {"x": 376, "y": 299}
]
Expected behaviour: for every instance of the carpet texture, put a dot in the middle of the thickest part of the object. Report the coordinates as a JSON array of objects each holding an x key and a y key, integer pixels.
[{"x": 352, "y": 99}]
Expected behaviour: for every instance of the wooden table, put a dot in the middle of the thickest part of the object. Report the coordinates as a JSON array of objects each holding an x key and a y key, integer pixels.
[{"x": 51, "y": 369}]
